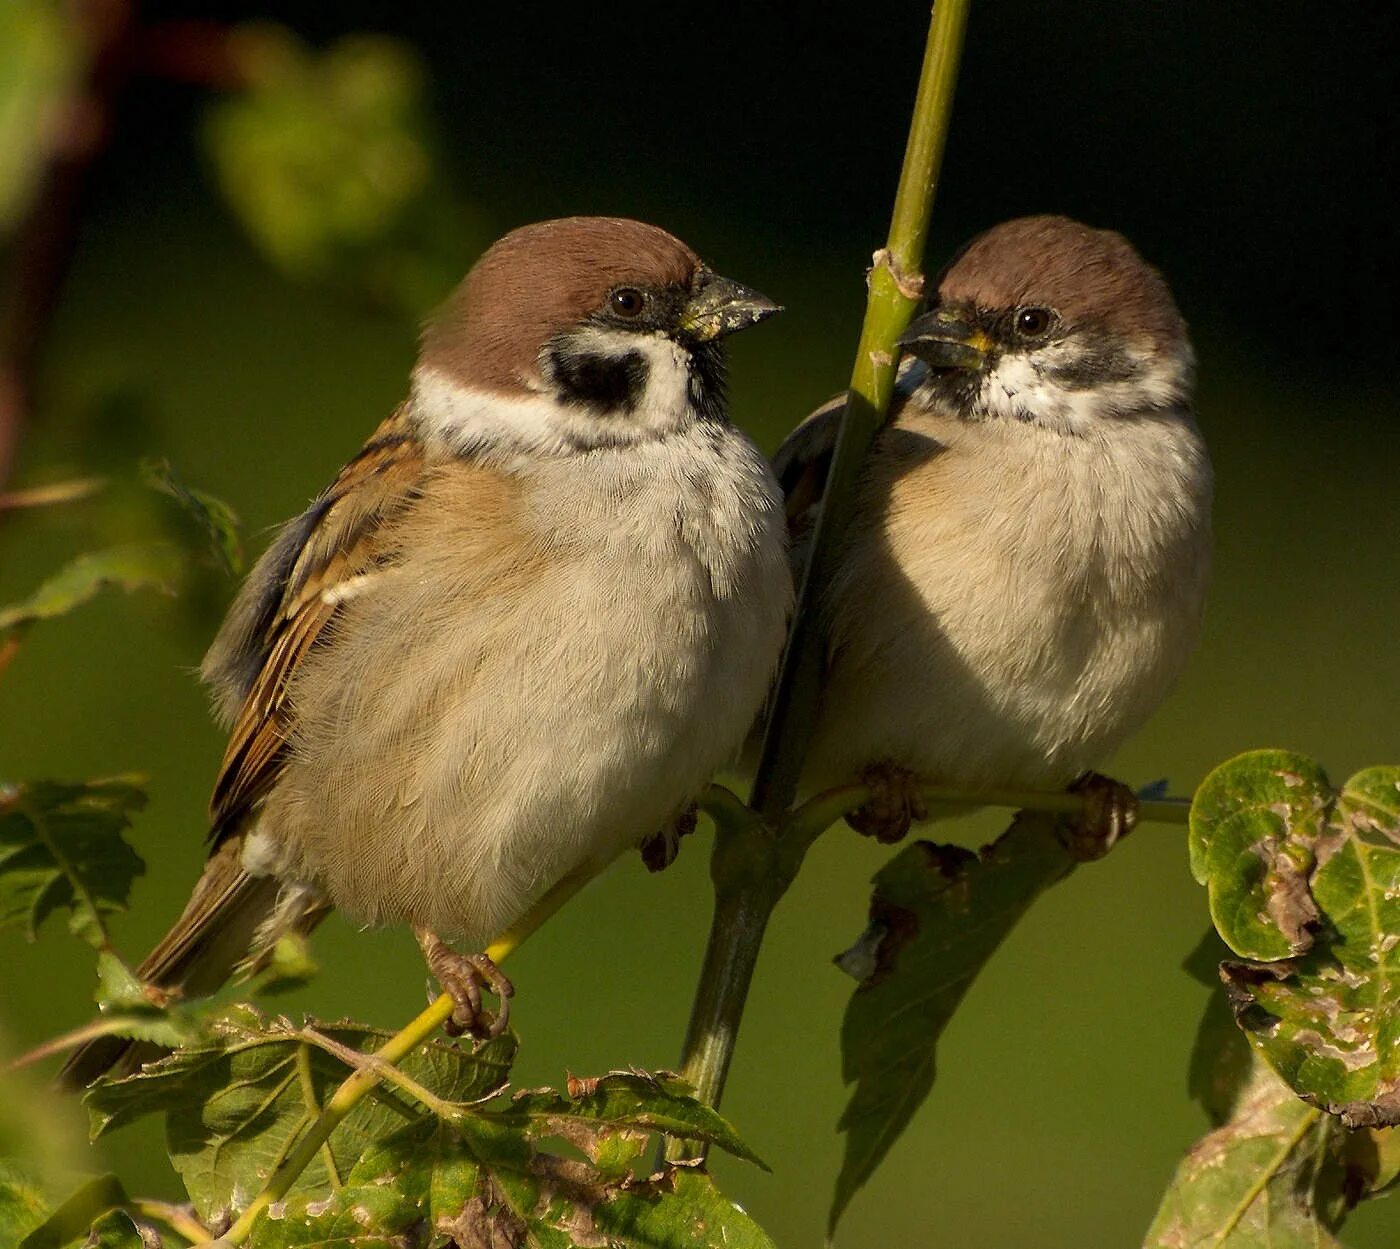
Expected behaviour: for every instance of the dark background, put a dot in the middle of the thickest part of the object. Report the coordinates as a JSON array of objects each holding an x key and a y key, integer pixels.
[{"x": 1244, "y": 148}]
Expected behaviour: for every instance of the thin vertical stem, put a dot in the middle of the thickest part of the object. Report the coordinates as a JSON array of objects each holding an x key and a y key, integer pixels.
[{"x": 768, "y": 853}]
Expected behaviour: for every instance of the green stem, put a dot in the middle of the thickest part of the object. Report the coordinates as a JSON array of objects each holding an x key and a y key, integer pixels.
[
  {"x": 373, "y": 1068},
  {"x": 757, "y": 855},
  {"x": 820, "y": 812},
  {"x": 341, "y": 1103},
  {"x": 895, "y": 283}
]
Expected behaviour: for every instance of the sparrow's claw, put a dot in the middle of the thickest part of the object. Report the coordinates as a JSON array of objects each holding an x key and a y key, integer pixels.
[
  {"x": 659, "y": 850},
  {"x": 463, "y": 976},
  {"x": 1110, "y": 814},
  {"x": 894, "y": 803}
]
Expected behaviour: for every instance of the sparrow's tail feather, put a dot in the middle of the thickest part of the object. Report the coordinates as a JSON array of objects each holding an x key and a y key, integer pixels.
[{"x": 231, "y": 920}]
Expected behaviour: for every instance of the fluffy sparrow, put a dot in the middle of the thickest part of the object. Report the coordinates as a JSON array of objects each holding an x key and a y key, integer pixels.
[
  {"x": 1024, "y": 576},
  {"x": 518, "y": 632}
]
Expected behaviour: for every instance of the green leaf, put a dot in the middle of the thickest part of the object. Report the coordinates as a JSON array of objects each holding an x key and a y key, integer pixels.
[
  {"x": 938, "y": 913},
  {"x": 215, "y": 519},
  {"x": 479, "y": 1185},
  {"x": 438, "y": 1144},
  {"x": 94, "y": 1198},
  {"x": 150, "y": 566},
  {"x": 1255, "y": 822},
  {"x": 61, "y": 846},
  {"x": 628, "y": 1102},
  {"x": 114, "y": 1230},
  {"x": 24, "y": 1200},
  {"x": 233, "y": 1103},
  {"x": 1328, "y": 1017},
  {"x": 1267, "y": 1179}
]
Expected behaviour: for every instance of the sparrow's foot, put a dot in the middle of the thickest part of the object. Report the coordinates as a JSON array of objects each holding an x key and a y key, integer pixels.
[
  {"x": 463, "y": 976},
  {"x": 659, "y": 850},
  {"x": 894, "y": 803},
  {"x": 1110, "y": 814}
]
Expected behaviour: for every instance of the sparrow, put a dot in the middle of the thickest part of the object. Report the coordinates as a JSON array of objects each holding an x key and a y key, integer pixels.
[
  {"x": 1024, "y": 575},
  {"x": 513, "y": 638}
]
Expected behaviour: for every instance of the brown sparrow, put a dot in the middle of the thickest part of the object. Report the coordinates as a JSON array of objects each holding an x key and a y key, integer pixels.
[
  {"x": 1024, "y": 575},
  {"x": 515, "y": 636}
]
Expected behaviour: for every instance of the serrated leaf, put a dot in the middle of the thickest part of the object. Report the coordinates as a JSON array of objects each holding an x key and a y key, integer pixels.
[
  {"x": 1327, "y": 1019},
  {"x": 476, "y": 1184},
  {"x": 938, "y": 913},
  {"x": 141, "y": 566},
  {"x": 1255, "y": 822},
  {"x": 233, "y": 1103},
  {"x": 24, "y": 1200},
  {"x": 61, "y": 846},
  {"x": 448, "y": 1152},
  {"x": 593, "y": 1111},
  {"x": 73, "y": 1217},
  {"x": 215, "y": 519},
  {"x": 1267, "y": 1179}
]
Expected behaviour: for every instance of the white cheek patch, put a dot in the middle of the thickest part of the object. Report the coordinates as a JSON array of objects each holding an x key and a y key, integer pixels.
[
  {"x": 466, "y": 420},
  {"x": 665, "y": 403},
  {"x": 1022, "y": 388},
  {"x": 469, "y": 421}
]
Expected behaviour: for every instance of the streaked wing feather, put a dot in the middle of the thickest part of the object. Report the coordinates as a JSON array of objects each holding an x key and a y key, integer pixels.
[{"x": 348, "y": 540}]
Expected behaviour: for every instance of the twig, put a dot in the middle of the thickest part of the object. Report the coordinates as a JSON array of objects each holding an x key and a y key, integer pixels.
[
  {"x": 757, "y": 854},
  {"x": 371, "y": 1069},
  {"x": 341, "y": 1103},
  {"x": 48, "y": 496}
]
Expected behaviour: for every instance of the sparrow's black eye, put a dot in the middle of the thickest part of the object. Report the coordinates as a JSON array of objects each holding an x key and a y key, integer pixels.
[
  {"x": 1034, "y": 322},
  {"x": 627, "y": 301}
]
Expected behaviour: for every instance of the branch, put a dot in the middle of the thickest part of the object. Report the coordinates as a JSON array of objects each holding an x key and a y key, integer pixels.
[
  {"x": 372, "y": 1069},
  {"x": 757, "y": 853},
  {"x": 341, "y": 1103},
  {"x": 894, "y": 291}
]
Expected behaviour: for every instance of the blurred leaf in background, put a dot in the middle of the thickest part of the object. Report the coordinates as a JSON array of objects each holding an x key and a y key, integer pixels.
[
  {"x": 41, "y": 64},
  {"x": 326, "y": 159}
]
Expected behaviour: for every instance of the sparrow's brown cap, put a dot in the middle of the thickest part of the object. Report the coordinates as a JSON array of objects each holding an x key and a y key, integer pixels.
[
  {"x": 1092, "y": 278},
  {"x": 537, "y": 281}
]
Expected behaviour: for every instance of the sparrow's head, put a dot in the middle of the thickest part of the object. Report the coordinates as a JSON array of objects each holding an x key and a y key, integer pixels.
[
  {"x": 580, "y": 333},
  {"x": 1047, "y": 321}
]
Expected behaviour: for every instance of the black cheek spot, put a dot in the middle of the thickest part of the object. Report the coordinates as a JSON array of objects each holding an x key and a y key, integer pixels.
[
  {"x": 601, "y": 382},
  {"x": 1096, "y": 366}
]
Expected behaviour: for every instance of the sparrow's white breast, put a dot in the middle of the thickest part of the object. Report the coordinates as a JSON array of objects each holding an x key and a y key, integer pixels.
[
  {"x": 565, "y": 651},
  {"x": 1013, "y": 601}
]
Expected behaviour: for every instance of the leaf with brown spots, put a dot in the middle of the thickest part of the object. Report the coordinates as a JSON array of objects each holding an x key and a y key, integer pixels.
[
  {"x": 439, "y": 1153},
  {"x": 1319, "y": 1000},
  {"x": 1267, "y": 1178}
]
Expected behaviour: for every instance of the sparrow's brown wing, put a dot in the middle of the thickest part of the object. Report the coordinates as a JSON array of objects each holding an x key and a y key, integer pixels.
[
  {"x": 291, "y": 596},
  {"x": 232, "y": 918}
]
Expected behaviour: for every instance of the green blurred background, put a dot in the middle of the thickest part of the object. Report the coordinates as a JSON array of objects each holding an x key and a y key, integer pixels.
[{"x": 267, "y": 220}]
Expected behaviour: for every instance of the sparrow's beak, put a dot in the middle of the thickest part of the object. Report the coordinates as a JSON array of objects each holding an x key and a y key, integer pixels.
[
  {"x": 721, "y": 307},
  {"x": 943, "y": 340}
]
